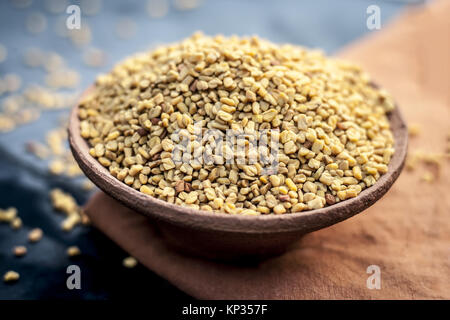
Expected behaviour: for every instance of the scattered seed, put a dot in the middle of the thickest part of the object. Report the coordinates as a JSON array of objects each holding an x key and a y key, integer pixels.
[
  {"x": 428, "y": 177},
  {"x": 8, "y": 215},
  {"x": 414, "y": 129},
  {"x": 11, "y": 276},
  {"x": 129, "y": 262},
  {"x": 20, "y": 251},
  {"x": 73, "y": 251},
  {"x": 35, "y": 235},
  {"x": 16, "y": 223}
]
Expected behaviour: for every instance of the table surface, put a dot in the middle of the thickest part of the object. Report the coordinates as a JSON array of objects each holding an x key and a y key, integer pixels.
[{"x": 25, "y": 182}]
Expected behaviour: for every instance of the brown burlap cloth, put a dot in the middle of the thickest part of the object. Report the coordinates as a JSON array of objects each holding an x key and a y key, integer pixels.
[{"x": 406, "y": 234}]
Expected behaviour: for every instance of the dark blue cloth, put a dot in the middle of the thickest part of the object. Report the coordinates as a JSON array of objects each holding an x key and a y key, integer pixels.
[{"x": 24, "y": 181}]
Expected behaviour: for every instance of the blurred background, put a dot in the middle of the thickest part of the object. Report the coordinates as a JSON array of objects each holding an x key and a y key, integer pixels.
[{"x": 44, "y": 67}]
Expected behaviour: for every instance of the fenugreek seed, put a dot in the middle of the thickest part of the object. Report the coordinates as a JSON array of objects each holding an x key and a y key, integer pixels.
[
  {"x": 310, "y": 187},
  {"x": 135, "y": 169},
  {"x": 290, "y": 184},
  {"x": 16, "y": 223},
  {"x": 99, "y": 150},
  {"x": 146, "y": 190},
  {"x": 224, "y": 116},
  {"x": 279, "y": 209},
  {"x": 275, "y": 180},
  {"x": 299, "y": 207},
  {"x": 330, "y": 199},
  {"x": 315, "y": 203},
  {"x": 269, "y": 115},
  {"x": 187, "y": 187},
  {"x": 313, "y": 163},
  {"x": 428, "y": 177},
  {"x": 73, "y": 251},
  {"x": 179, "y": 186},
  {"x": 191, "y": 197},
  {"x": 70, "y": 222},
  {"x": 8, "y": 215},
  {"x": 290, "y": 147},
  {"x": 283, "y": 190},
  {"x": 11, "y": 276},
  {"x": 35, "y": 235},
  {"x": 414, "y": 129},
  {"x": 342, "y": 195},
  {"x": 142, "y": 131},
  {"x": 129, "y": 262},
  {"x": 20, "y": 251},
  {"x": 228, "y": 82}
]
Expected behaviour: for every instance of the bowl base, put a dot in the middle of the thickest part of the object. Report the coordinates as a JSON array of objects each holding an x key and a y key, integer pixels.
[{"x": 222, "y": 246}]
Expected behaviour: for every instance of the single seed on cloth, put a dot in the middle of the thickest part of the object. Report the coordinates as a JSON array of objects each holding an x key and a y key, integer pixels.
[
  {"x": 35, "y": 235},
  {"x": 57, "y": 167},
  {"x": 63, "y": 202},
  {"x": 16, "y": 223},
  {"x": 38, "y": 149},
  {"x": 73, "y": 251},
  {"x": 428, "y": 177},
  {"x": 129, "y": 262},
  {"x": 11, "y": 276},
  {"x": 414, "y": 129},
  {"x": 70, "y": 222},
  {"x": 20, "y": 251},
  {"x": 88, "y": 185},
  {"x": 8, "y": 215},
  {"x": 327, "y": 126}
]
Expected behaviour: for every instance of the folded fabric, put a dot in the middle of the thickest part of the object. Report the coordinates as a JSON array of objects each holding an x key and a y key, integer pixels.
[{"x": 406, "y": 235}]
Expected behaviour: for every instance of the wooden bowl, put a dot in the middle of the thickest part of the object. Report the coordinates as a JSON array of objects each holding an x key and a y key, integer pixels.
[{"x": 226, "y": 236}]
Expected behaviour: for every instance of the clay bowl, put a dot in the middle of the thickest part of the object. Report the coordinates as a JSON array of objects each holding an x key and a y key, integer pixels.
[{"x": 224, "y": 236}]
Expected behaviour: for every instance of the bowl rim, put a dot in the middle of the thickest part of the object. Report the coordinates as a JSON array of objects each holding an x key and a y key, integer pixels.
[{"x": 307, "y": 221}]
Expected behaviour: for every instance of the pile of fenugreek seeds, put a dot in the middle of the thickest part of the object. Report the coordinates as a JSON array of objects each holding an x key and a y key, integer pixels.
[{"x": 327, "y": 119}]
